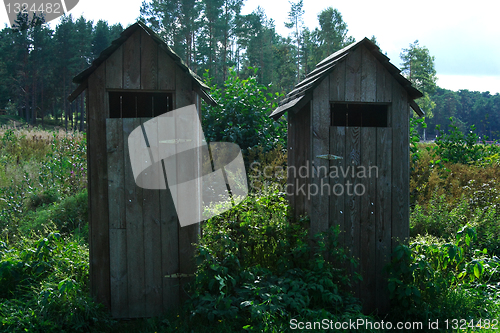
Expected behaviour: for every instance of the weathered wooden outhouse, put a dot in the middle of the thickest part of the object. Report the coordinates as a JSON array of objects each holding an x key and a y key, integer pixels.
[
  {"x": 136, "y": 244},
  {"x": 348, "y": 157}
]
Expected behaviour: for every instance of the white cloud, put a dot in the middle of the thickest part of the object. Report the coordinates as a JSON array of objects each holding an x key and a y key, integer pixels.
[{"x": 473, "y": 83}]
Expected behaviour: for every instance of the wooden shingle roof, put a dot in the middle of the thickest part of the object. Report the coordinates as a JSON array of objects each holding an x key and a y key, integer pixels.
[
  {"x": 302, "y": 92},
  {"x": 105, "y": 54}
]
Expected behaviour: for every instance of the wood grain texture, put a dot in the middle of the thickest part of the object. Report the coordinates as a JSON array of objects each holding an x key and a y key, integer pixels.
[
  {"x": 368, "y": 217},
  {"x": 338, "y": 82},
  {"x": 400, "y": 166},
  {"x": 117, "y": 232},
  {"x": 169, "y": 251},
  {"x": 384, "y": 84},
  {"x": 293, "y": 153},
  {"x": 135, "y": 230},
  {"x": 353, "y": 76},
  {"x": 132, "y": 61},
  {"x": 319, "y": 170},
  {"x": 368, "y": 76},
  {"x": 352, "y": 202},
  {"x": 169, "y": 226},
  {"x": 114, "y": 135},
  {"x": 98, "y": 111},
  {"x": 187, "y": 235},
  {"x": 299, "y": 159},
  {"x": 337, "y": 201},
  {"x": 119, "y": 276},
  {"x": 149, "y": 62},
  {"x": 114, "y": 69},
  {"x": 166, "y": 71},
  {"x": 383, "y": 221},
  {"x": 152, "y": 242}
]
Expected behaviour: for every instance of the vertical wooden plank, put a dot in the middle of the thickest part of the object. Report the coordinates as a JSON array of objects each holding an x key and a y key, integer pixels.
[
  {"x": 293, "y": 151},
  {"x": 152, "y": 241},
  {"x": 117, "y": 232},
  {"x": 368, "y": 76},
  {"x": 337, "y": 210},
  {"x": 367, "y": 176},
  {"x": 318, "y": 191},
  {"x": 149, "y": 62},
  {"x": 337, "y": 82},
  {"x": 169, "y": 228},
  {"x": 135, "y": 230},
  {"x": 353, "y": 76},
  {"x": 383, "y": 221},
  {"x": 114, "y": 135},
  {"x": 166, "y": 71},
  {"x": 384, "y": 84},
  {"x": 118, "y": 272},
  {"x": 132, "y": 61},
  {"x": 98, "y": 111},
  {"x": 114, "y": 69},
  {"x": 187, "y": 235},
  {"x": 352, "y": 201},
  {"x": 400, "y": 166},
  {"x": 298, "y": 156}
]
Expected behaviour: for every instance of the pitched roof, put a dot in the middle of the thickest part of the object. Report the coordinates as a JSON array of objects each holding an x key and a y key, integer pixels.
[
  {"x": 83, "y": 76},
  {"x": 302, "y": 92}
]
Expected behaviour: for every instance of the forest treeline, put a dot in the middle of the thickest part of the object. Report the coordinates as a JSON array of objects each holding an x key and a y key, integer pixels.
[{"x": 38, "y": 63}]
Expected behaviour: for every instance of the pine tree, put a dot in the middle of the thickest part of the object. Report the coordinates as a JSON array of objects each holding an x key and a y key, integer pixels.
[{"x": 295, "y": 21}]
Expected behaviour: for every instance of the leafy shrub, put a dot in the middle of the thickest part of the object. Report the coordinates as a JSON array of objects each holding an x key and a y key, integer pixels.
[
  {"x": 267, "y": 170},
  {"x": 241, "y": 115},
  {"x": 443, "y": 220},
  {"x": 257, "y": 269},
  {"x": 43, "y": 287},
  {"x": 456, "y": 147},
  {"x": 67, "y": 215},
  {"x": 415, "y": 123},
  {"x": 45, "y": 198},
  {"x": 439, "y": 218},
  {"x": 428, "y": 279}
]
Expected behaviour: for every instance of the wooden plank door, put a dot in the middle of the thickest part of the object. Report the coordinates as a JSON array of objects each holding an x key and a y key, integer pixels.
[
  {"x": 360, "y": 204},
  {"x": 143, "y": 234}
]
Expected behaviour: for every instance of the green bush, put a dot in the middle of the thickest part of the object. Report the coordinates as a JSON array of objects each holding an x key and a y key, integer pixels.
[
  {"x": 443, "y": 220},
  {"x": 455, "y": 147},
  {"x": 241, "y": 115},
  {"x": 429, "y": 280},
  {"x": 257, "y": 270},
  {"x": 44, "y": 287}
]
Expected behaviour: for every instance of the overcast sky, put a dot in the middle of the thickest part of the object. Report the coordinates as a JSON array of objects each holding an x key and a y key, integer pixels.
[{"x": 462, "y": 36}]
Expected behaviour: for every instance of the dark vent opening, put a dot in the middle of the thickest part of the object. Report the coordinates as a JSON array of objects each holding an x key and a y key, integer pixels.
[
  {"x": 359, "y": 115},
  {"x": 124, "y": 104}
]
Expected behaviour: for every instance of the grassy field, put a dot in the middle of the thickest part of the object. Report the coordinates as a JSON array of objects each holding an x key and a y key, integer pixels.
[{"x": 255, "y": 272}]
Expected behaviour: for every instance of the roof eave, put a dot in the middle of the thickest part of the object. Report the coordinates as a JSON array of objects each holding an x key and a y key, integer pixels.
[{"x": 82, "y": 77}]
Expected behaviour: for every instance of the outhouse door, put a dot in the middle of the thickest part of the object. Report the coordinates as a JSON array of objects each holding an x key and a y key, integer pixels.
[
  {"x": 143, "y": 234},
  {"x": 360, "y": 200}
]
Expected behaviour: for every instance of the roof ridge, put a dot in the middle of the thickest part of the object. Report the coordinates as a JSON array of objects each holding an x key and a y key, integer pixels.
[
  {"x": 124, "y": 35},
  {"x": 325, "y": 66}
]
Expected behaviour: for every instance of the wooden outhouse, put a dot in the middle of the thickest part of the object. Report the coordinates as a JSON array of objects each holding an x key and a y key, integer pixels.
[
  {"x": 348, "y": 157},
  {"x": 138, "y": 251}
]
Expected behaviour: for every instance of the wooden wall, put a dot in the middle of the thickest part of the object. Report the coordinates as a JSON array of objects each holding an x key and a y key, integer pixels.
[
  {"x": 299, "y": 149},
  {"x": 135, "y": 238},
  {"x": 371, "y": 224}
]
